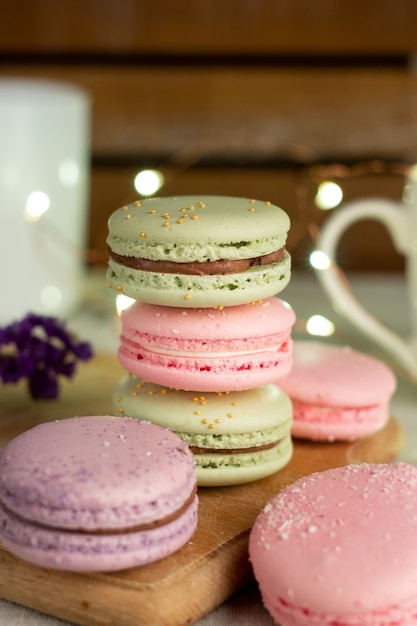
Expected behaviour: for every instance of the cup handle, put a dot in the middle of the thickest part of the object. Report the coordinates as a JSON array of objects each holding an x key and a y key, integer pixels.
[{"x": 394, "y": 216}]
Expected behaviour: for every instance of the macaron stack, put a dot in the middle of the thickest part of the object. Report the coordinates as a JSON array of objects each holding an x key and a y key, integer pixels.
[{"x": 207, "y": 339}]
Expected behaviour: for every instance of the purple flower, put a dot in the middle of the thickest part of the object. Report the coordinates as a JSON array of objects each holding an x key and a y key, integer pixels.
[{"x": 40, "y": 349}]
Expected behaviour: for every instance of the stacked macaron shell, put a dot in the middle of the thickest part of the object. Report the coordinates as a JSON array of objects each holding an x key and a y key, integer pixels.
[
  {"x": 236, "y": 436},
  {"x": 337, "y": 393},
  {"x": 204, "y": 273},
  {"x": 96, "y": 493},
  {"x": 340, "y": 547}
]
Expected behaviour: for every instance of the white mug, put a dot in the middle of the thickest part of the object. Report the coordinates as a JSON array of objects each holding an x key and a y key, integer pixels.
[
  {"x": 44, "y": 186},
  {"x": 400, "y": 220}
]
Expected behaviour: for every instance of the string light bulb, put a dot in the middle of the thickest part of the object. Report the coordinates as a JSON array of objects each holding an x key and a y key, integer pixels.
[
  {"x": 148, "y": 182},
  {"x": 329, "y": 195},
  {"x": 319, "y": 260},
  {"x": 320, "y": 326}
]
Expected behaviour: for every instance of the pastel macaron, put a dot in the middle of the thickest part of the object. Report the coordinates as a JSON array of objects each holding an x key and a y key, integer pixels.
[
  {"x": 236, "y": 437},
  {"x": 198, "y": 251},
  {"x": 208, "y": 349},
  {"x": 96, "y": 493},
  {"x": 337, "y": 393},
  {"x": 340, "y": 547}
]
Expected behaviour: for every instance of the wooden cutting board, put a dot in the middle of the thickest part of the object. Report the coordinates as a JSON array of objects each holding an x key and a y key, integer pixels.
[{"x": 182, "y": 588}]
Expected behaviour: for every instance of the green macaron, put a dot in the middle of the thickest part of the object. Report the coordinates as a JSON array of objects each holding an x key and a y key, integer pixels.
[
  {"x": 194, "y": 251},
  {"x": 236, "y": 437}
]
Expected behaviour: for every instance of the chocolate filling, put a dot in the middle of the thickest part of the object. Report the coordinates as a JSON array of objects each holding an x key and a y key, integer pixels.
[
  {"x": 265, "y": 446},
  {"x": 204, "y": 268}
]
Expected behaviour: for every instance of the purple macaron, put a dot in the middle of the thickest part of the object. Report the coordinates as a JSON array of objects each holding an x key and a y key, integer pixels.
[{"x": 96, "y": 493}]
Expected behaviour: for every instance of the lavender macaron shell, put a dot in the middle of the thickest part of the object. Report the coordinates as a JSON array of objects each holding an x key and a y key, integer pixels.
[
  {"x": 74, "y": 551},
  {"x": 96, "y": 493}
]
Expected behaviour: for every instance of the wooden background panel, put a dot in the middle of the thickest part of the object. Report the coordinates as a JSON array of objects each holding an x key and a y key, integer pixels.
[
  {"x": 207, "y": 27},
  {"x": 365, "y": 247},
  {"x": 191, "y": 114},
  {"x": 240, "y": 97}
]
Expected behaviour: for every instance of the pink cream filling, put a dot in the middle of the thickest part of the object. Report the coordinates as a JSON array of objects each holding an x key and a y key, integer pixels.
[{"x": 261, "y": 357}]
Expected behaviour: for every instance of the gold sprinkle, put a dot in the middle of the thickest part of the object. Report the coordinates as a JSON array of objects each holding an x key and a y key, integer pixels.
[
  {"x": 128, "y": 216},
  {"x": 180, "y": 221},
  {"x": 166, "y": 216},
  {"x": 219, "y": 393},
  {"x": 195, "y": 399},
  {"x": 134, "y": 393},
  {"x": 204, "y": 421},
  {"x": 252, "y": 210},
  {"x": 119, "y": 288},
  {"x": 212, "y": 426},
  {"x": 125, "y": 208},
  {"x": 191, "y": 207},
  {"x": 252, "y": 200},
  {"x": 142, "y": 234},
  {"x": 151, "y": 392},
  {"x": 185, "y": 215},
  {"x": 235, "y": 403},
  {"x": 109, "y": 285},
  {"x": 268, "y": 202},
  {"x": 164, "y": 391},
  {"x": 218, "y": 420},
  {"x": 166, "y": 224},
  {"x": 183, "y": 210},
  {"x": 137, "y": 202},
  {"x": 230, "y": 415},
  {"x": 201, "y": 204},
  {"x": 152, "y": 211},
  {"x": 194, "y": 217},
  {"x": 187, "y": 296},
  {"x": 118, "y": 399},
  {"x": 197, "y": 412},
  {"x": 121, "y": 410}
]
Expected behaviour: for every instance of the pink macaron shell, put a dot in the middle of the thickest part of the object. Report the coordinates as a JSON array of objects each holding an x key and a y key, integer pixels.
[
  {"x": 337, "y": 423},
  {"x": 338, "y": 393},
  {"x": 233, "y": 348},
  {"x": 340, "y": 548}
]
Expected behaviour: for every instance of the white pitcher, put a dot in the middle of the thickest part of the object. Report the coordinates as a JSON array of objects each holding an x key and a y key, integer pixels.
[{"x": 400, "y": 220}]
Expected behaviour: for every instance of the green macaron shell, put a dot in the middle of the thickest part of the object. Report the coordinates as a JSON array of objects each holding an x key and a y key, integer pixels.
[
  {"x": 234, "y": 469},
  {"x": 219, "y": 423},
  {"x": 248, "y": 412},
  {"x": 194, "y": 228}
]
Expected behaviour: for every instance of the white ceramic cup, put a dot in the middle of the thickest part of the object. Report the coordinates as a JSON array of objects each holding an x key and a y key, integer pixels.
[
  {"x": 44, "y": 186},
  {"x": 400, "y": 220}
]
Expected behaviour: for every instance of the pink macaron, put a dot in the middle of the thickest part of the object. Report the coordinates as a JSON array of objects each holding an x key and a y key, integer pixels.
[
  {"x": 337, "y": 393},
  {"x": 96, "y": 494},
  {"x": 339, "y": 548},
  {"x": 210, "y": 349}
]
